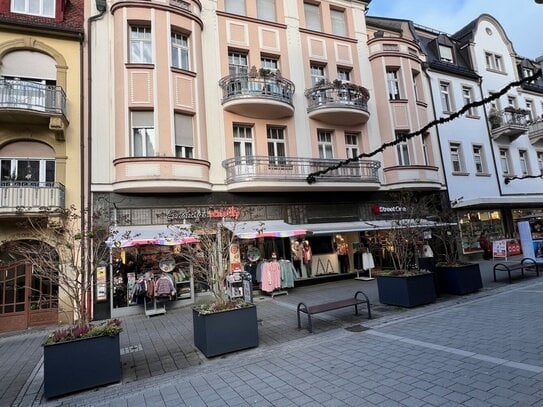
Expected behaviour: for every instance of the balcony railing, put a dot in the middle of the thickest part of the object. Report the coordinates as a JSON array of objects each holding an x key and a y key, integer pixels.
[
  {"x": 250, "y": 168},
  {"x": 535, "y": 131},
  {"x": 253, "y": 84},
  {"x": 32, "y": 96},
  {"x": 508, "y": 122},
  {"x": 337, "y": 95},
  {"x": 27, "y": 196}
]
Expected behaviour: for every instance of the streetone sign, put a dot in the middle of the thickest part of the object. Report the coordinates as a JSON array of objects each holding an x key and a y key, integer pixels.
[{"x": 379, "y": 209}]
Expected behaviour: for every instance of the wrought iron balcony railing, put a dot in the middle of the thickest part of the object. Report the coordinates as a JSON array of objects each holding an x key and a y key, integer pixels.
[
  {"x": 30, "y": 196},
  {"x": 273, "y": 168},
  {"x": 251, "y": 85},
  {"x": 535, "y": 130},
  {"x": 343, "y": 95},
  {"x": 32, "y": 96}
]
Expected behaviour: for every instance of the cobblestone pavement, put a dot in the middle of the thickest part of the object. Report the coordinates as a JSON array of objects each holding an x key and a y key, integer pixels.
[{"x": 482, "y": 349}]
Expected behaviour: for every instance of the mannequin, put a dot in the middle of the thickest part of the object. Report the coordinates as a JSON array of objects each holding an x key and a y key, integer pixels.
[
  {"x": 296, "y": 253},
  {"x": 343, "y": 255},
  {"x": 307, "y": 256}
]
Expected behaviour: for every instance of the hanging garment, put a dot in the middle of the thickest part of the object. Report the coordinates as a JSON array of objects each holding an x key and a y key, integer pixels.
[
  {"x": 367, "y": 261},
  {"x": 271, "y": 276},
  {"x": 288, "y": 274},
  {"x": 164, "y": 286}
]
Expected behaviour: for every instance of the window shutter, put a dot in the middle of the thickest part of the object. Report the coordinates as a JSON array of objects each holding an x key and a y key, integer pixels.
[{"x": 183, "y": 130}]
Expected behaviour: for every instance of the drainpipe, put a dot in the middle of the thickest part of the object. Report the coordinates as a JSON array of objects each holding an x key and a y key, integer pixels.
[{"x": 101, "y": 6}]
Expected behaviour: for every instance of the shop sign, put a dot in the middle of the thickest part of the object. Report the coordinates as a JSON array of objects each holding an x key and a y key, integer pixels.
[
  {"x": 202, "y": 213},
  {"x": 101, "y": 290},
  {"x": 380, "y": 209}
]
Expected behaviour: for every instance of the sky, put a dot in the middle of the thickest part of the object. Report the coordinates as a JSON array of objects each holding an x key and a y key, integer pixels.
[{"x": 522, "y": 20}]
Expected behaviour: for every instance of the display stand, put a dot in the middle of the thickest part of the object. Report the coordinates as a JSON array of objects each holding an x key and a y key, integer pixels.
[
  {"x": 234, "y": 285},
  {"x": 156, "y": 309},
  {"x": 367, "y": 264},
  {"x": 278, "y": 292}
]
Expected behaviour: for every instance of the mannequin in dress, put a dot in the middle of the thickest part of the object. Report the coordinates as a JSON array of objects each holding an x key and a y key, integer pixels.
[
  {"x": 296, "y": 254},
  {"x": 307, "y": 257},
  {"x": 343, "y": 255}
]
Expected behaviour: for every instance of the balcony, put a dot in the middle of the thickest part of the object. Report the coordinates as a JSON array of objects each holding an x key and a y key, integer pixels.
[
  {"x": 24, "y": 197},
  {"x": 35, "y": 103},
  {"x": 413, "y": 176},
  {"x": 338, "y": 103},
  {"x": 264, "y": 173},
  {"x": 535, "y": 131},
  {"x": 258, "y": 94},
  {"x": 161, "y": 174},
  {"x": 510, "y": 122}
]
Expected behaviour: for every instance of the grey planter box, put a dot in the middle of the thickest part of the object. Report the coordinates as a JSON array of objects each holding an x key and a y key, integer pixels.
[
  {"x": 459, "y": 280},
  {"x": 224, "y": 332},
  {"x": 81, "y": 364},
  {"x": 406, "y": 291}
]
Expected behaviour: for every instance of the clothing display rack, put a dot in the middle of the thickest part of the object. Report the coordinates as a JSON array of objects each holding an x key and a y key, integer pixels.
[{"x": 363, "y": 260}]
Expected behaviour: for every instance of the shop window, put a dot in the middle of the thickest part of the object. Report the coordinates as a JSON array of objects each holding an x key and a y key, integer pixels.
[{"x": 473, "y": 223}]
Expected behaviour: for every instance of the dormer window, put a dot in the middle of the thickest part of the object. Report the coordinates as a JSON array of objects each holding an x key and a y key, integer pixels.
[
  {"x": 42, "y": 8},
  {"x": 445, "y": 53}
]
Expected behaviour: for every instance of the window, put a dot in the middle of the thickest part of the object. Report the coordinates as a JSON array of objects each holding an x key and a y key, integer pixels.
[
  {"x": 28, "y": 170},
  {"x": 478, "y": 159},
  {"x": 180, "y": 51},
  {"x": 445, "y": 53},
  {"x": 140, "y": 45},
  {"x": 317, "y": 74},
  {"x": 512, "y": 101},
  {"x": 276, "y": 145},
  {"x": 324, "y": 139},
  {"x": 523, "y": 159},
  {"x": 143, "y": 134},
  {"x": 393, "y": 83},
  {"x": 269, "y": 63},
  {"x": 344, "y": 74},
  {"x": 235, "y": 6},
  {"x": 467, "y": 96},
  {"x": 530, "y": 109},
  {"x": 527, "y": 72},
  {"x": 338, "y": 22},
  {"x": 402, "y": 149},
  {"x": 456, "y": 157},
  {"x": 243, "y": 144},
  {"x": 43, "y": 8},
  {"x": 265, "y": 10},
  {"x": 312, "y": 17},
  {"x": 493, "y": 62},
  {"x": 425, "y": 147},
  {"x": 444, "y": 88},
  {"x": 540, "y": 162},
  {"x": 184, "y": 142},
  {"x": 416, "y": 78},
  {"x": 237, "y": 63},
  {"x": 504, "y": 160},
  {"x": 351, "y": 145}
]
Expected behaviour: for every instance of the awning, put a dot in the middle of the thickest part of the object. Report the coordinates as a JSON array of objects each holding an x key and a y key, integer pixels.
[
  {"x": 265, "y": 228},
  {"x": 359, "y": 226},
  {"x": 161, "y": 235}
]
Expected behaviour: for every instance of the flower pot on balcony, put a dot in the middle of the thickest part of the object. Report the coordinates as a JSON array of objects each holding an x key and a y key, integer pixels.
[
  {"x": 80, "y": 364},
  {"x": 459, "y": 279},
  {"x": 409, "y": 290},
  {"x": 223, "y": 332}
]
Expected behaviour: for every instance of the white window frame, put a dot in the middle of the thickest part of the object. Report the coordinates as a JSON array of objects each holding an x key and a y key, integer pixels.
[
  {"x": 425, "y": 154},
  {"x": 269, "y": 63},
  {"x": 352, "y": 149},
  {"x": 243, "y": 143},
  {"x": 339, "y": 27},
  {"x": 28, "y": 177},
  {"x": 479, "y": 159},
  {"x": 312, "y": 14},
  {"x": 238, "y": 63},
  {"x": 265, "y": 10},
  {"x": 402, "y": 151},
  {"x": 393, "y": 83},
  {"x": 325, "y": 144},
  {"x": 494, "y": 62},
  {"x": 141, "y": 44},
  {"x": 180, "y": 51},
  {"x": 530, "y": 108},
  {"x": 446, "y": 96},
  {"x": 184, "y": 135},
  {"x": 540, "y": 162},
  {"x": 277, "y": 147},
  {"x": 416, "y": 76},
  {"x": 524, "y": 162},
  {"x": 318, "y": 73},
  {"x": 457, "y": 162},
  {"x": 446, "y": 53},
  {"x": 344, "y": 75},
  {"x": 467, "y": 97},
  {"x": 505, "y": 161},
  {"x": 145, "y": 146},
  {"x": 46, "y": 8}
]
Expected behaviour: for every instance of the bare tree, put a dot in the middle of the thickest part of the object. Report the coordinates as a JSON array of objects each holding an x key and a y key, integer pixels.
[{"x": 62, "y": 249}]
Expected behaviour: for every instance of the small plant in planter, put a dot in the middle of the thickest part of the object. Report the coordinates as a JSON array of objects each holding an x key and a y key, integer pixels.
[
  {"x": 72, "y": 333},
  {"x": 494, "y": 117}
]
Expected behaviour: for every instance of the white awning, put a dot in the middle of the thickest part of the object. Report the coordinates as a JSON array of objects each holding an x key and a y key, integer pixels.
[
  {"x": 359, "y": 226},
  {"x": 161, "y": 235},
  {"x": 265, "y": 228}
]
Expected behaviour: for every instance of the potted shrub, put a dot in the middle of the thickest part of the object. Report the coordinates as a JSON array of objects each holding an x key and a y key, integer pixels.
[
  {"x": 494, "y": 117},
  {"x": 406, "y": 286},
  {"x": 58, "y": 244},
  {"x": 221, "y": 325}
]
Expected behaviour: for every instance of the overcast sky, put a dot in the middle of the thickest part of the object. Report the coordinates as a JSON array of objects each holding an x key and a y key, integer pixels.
[{"x": 522, "y": 20}]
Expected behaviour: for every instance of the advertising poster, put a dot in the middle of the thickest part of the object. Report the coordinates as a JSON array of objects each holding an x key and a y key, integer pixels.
[
  {"x": 525, "y": 234},
  {"x": 101, "y": 284},
  {"x": 499, "y": 248}
]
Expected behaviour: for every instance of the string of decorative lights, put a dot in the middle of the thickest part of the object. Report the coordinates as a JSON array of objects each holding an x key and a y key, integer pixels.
[{"x": 312, "y": 178}]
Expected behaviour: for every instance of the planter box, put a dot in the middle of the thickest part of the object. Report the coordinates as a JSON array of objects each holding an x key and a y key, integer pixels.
[
  {"x": 459, "y": 280},
  {"x": 223, "y": 332},
  {"x": 81, "y": 364},
  {"x": 408, "y": 291}
]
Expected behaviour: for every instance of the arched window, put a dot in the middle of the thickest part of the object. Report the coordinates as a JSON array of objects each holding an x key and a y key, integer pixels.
[{"x": 27, "y": 161}]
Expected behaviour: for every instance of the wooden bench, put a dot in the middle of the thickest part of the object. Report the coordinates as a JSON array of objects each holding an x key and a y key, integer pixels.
[
  {"x": 329, "y": 306},
  {"x": 527, "y": 264}
]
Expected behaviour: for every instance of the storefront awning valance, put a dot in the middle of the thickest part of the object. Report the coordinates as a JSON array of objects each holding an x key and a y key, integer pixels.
[
  {"x": 161, "y": 235},
  {"x": 265, "y": 228},
  {"x": 360, "y": 226}
]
